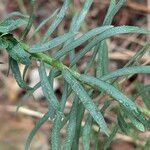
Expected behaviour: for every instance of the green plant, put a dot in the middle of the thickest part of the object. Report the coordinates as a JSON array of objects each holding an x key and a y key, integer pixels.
[{"x": 80, "y": 87}]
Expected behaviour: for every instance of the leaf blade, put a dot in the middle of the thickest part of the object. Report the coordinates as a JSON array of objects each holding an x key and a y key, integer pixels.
[{"x": 86, "y": 100}]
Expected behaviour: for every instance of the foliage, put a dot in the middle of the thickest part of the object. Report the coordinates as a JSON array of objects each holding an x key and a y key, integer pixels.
[{"x": 81, "y": 87}]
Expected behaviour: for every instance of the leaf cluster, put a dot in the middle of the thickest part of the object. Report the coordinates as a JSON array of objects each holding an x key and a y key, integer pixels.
[{"x": 80, "y": 88}]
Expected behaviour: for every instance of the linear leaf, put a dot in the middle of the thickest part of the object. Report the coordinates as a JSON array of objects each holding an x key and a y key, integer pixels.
[
  {"x": 16, "y": 14},
  {"x": 126, "y": 71},
  {"x": 104, "y": 35},
  {"x": 80, "y": 114},
  {"x": 48, "y": 89},
  {"x": 144, "y": 95},
  {"x": 134, "y": 121},
  {"x": 113, "y": 9},
  {"x": 17, "y": 75},
  {"x": 16, "y": 51},
  {"x": 44, "y": 22},
  {"x": 116, "y": 94},
  {"x": 55, "y": 136},
  {"x": 86, "y": 100},
  {"x": 57, "y": 21},
  {"x": 145, "y": 89},
  {"x": 51, "y": 44},
  {"x": 87, "y": 133},
  {"x": 3, "y": 43},
  {"x": 28, "y": 94},
  {"x": 9, "y": 25},
  {"x": 122, "y": 124},
  {"x": 102, "y": 63},
  {"x": 36, "y": 128},
  {"x": 138, "y": 55},
  {"x": 110, "y": 138},
  {"x": 77, "y": 22},
  {"x": 81, "y": 40},
  {"x": 71, "y": 127},
  {"x": 30, "y": 21}
]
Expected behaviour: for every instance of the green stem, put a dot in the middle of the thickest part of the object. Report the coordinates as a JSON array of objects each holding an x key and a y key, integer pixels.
[{"x": 49, "y": 60}]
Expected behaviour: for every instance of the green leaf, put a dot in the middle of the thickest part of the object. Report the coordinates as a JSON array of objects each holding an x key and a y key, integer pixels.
[
  {"x": 48, "y": 89},
  {"x": 9, "y": 25},
  {"x": 116, "y": 94},
  {"x": 30, "y": 21},
  {"x": 57, "y": 21},
  {"x": 55, "y": 135},
  {"x": 138, "y": 55},
  {"x": 113, "y": 9},
  {"x": 41, "y": 47},
  {"x": 16, "y": 14},
  {"x": 36, "y": 128},
  {"x": 77, "y": 22},
  {"x": 90, "y": 63},
  {"x": 71, "y": 127},
  {"x": 27, "y": 94},
  {"x": 134, "y": 121},
  {"x": 122, "y": 124},
  {"x": 102, "y": 62},
  {"x": 16, "y": 51},
  {"x": 44, "y": 22},
  {"x": 83, "y": 13},
  {"x": 80, "y": 114},
  {"x": 145, "y": 89},
  {"x": 87, "y": 133},
  {"x": 81, "y": 40},
  {"x": 107, "y": 33},
  {"x": 110, "y": 138},
  {"x": 17, "y": 75},
  {"x": 144, "y": 95},
  {"x": 3, "y": 43},
  {"x": 105, "y": 106},
  {"x": 126, "y": 71},
  {"x": 86, "y": 100}
]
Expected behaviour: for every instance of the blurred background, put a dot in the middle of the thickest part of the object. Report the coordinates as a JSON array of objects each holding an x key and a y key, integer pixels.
[{"x": 15, "y": 127}]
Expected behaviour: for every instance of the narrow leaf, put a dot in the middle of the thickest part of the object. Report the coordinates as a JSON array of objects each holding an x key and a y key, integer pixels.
[
  {"x": 81, "y": 40},
  {"x": 71, "y": 127},
  {"x": 113, "y": 9},
  {"x": 51, "y": 44},
  {"x": 16, "y": 51},
  {"x": 86, "y": 100},
  {"x": 36, "y": 128},
  {"x": 104, "y": 35},
  {"x": 17, "y": 75},
  {"x": 134, "y": 121},
  {"x": 110, "y": 138},
  {"x": 122, "y": 124},
  {"x": 126, "y": 71},
  {"x": 116, "y": 94},
  {"x": 138, "y": 55},
  {"x": 55, "y": 136},
  {"x": 57, "y": 21},
  {"x": 44, "y": 22},
  {"x": 30, "y": 21},
  {"x": 144, "y": 95},
  {"x": 16, "y": 14},
  {"x": 9, "y": 25},
  {"x": 48, "y": 89},
  {"x": 86, "y": 133}
]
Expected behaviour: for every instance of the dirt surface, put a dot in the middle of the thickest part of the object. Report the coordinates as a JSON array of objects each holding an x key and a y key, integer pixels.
[{"x": 14, "y": 130}]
